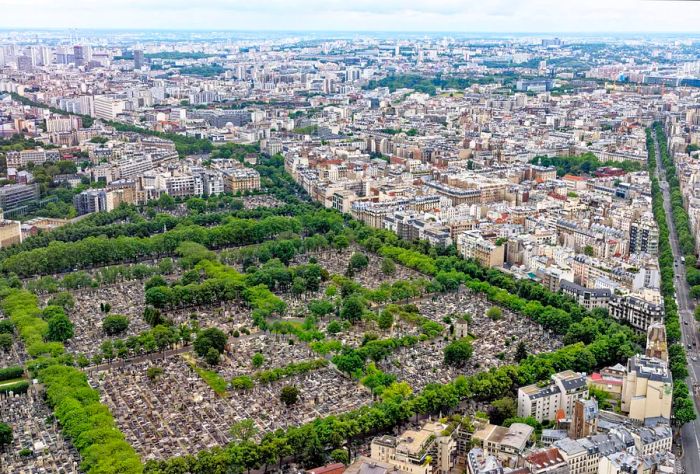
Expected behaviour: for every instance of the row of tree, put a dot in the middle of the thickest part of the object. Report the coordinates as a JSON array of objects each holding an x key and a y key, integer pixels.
[
  {"x": 59, "y": 257},
  {"x": 683, "y": 409},
  {"x": 84, "y": 420}
]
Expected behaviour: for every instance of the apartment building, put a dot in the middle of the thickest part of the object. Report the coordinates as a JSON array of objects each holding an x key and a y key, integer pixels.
[
  {"x": 505, "y": 444},
  {"x": 584, "y": 418},
  {"x": 90, "y": 200},
  {"x": 240, "y": 179},
  {"x": 424, "y": 451},
  {"x": 644, "y": 237},
  {"x": 20, "y": 159},
  {"x": 657, "y": 343},
  {"x": 589, "y": 298},
  {"x": 542, "y": 402},
  {"x": 579, "y": 459},
  {"x": 547, "y": 461},
  {"x": 638, "y": 313},
  {"x": 647, "y": 389},
  {"x": 180, "y": 185},
  {"x": 131, "y": 168},
  {"x": 107, "y": 108},
  {"x": 471, "y": 244},
  {"x": 650, "y": 440}
]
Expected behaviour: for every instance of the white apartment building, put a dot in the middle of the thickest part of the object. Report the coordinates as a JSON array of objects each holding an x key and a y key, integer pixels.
[
  {"x": 107, "y": 108},
  {"x": 131, "y": 168},
  {"x": 543, "y": 402}
]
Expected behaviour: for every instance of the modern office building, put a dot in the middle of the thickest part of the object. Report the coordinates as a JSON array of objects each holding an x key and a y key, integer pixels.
[
  {"x": 138, "y": 59},
  {"x": 15, "y": 195}
]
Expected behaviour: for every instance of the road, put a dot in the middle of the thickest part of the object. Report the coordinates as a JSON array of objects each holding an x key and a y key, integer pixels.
[{"x": 690, "y": 433}]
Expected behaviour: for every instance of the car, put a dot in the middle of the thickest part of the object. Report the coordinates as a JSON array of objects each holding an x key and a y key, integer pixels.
[
  {"x": 685, "y": 322},
  {"x": 689, "y": 346}
]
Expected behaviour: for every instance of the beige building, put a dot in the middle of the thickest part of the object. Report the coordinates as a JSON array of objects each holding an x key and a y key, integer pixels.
[
  {"x": 241, "y": 179},
  {"x": 579, "y": 459},
  {"x": 418, "y": 452},
  {"x": 657, "y": 345},
  {"x": 505, "y": 444},
  {"x": 472, "y": 245},
  {"x": 10, "y": 233},
  {"x": 653, "y": 440},
  {"x": 647, "y": 389},
  {"x": 622, "y": 463}
]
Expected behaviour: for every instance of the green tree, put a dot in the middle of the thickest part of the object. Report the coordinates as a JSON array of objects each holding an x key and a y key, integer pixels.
[
  {"x": 601, "y": 396},
  {"x": 494, "y": 313},
  {"x": 152, "y": 316},
  {"x": 458, "y": 353},
  {"x": 60, "y": 328},
  {"x": 340, "y": 455},
  {"x": 210, "y": 337},
  {"x": 243, "y": 431},
  {"x": 341, "y": 242},
  {"x": 388, "y": 266},
  {"x": 358, "y": 261},
  {"x": 386, "y": 320},
  {"x": 520, "y": 351},
  {"x": 6, "y": 326},
  {"x": 153, "y": 373},
  {"x": 684, "y": 411},
  {"x": 5, "y": 434},
  {"x": 115, "y": 324},
  {"x": 695, "y": 292},
  {"x": 502, "y": 409},
  {"x": 212, "y": 356},
  {"x": 83, "y": 361},
  {"x": 334, "y": 327},
  {"x": 588, "y": 250},
  {"x": 353, "y": 308},
  {"x": 51, "y": 311},
  {"x": 154, "y": 282},
  {"x": 63, "y": 299},
  {"x": 5, "y": 342},
  {"x": 242, "y": 382},
  {"x": 321, "y": 308},
  {"x": 258, "y": 360},
  {"x": 107, "y": 350},
  {"x": 289, "y": 395},
  {"x": 163, "y": 337}
]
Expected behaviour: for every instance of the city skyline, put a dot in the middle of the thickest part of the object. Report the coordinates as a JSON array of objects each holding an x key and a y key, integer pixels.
[{"x": 449, "y": 16}]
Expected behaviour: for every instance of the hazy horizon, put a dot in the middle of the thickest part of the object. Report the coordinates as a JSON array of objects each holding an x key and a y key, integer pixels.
[{"x": 360, "y": 16}]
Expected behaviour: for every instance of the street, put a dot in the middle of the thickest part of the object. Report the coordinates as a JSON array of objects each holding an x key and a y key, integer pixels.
[{"x": 690, "y": 433}]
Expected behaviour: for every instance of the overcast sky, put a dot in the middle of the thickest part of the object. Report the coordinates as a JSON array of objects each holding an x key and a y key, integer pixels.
[{"x": 359, "y": 15}]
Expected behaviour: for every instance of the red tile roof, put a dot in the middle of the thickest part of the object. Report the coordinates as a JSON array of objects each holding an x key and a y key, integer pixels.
[{"x": 336, "y": 468}]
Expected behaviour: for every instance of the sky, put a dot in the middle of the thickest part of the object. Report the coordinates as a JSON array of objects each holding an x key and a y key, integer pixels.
[{"x": 499, "y": 16}]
